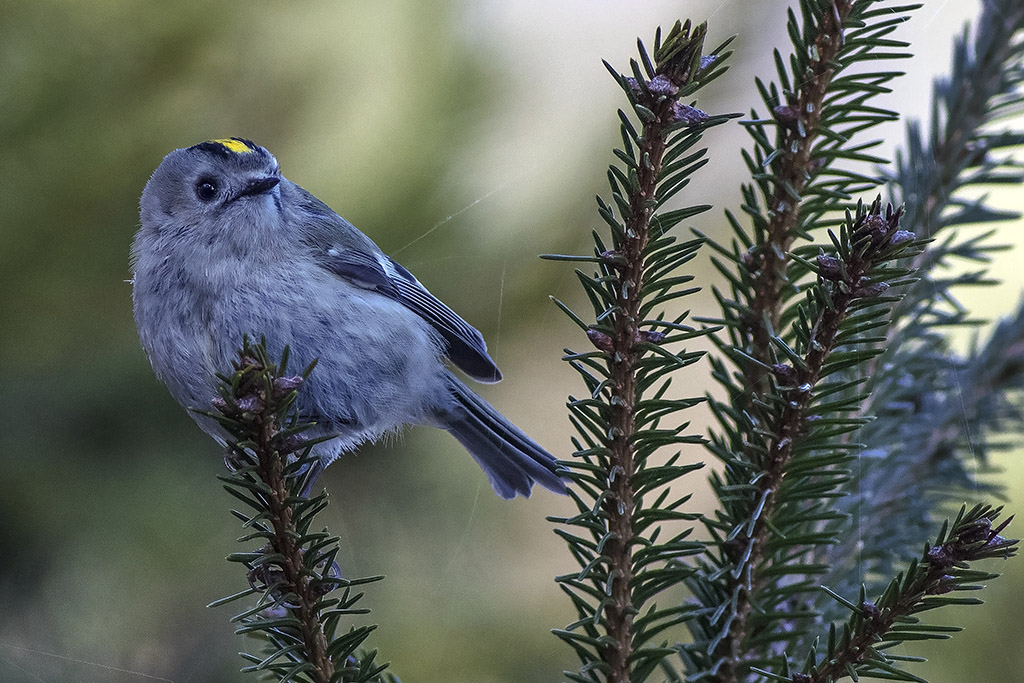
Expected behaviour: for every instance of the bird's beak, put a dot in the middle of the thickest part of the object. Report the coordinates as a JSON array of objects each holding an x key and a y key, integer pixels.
[{"x": 258, "y": 186}]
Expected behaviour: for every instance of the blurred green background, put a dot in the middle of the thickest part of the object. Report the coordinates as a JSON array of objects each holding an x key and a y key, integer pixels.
[{"x": 465, "y": 138}]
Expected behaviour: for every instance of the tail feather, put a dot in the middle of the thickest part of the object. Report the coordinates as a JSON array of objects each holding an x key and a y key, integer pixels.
[{"x": 511, "y": 460}]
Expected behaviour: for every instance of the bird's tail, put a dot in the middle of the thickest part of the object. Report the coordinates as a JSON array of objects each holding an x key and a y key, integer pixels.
[{"x": 510, "y": 459}]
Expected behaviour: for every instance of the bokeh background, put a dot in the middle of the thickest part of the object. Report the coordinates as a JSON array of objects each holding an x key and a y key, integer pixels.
[{"x": 465, "y": 138}]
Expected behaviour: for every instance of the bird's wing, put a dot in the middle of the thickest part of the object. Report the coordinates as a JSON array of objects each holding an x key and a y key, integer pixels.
[
  {"x": 362, "y": 269},
  {"x": 465, "y": 345}
]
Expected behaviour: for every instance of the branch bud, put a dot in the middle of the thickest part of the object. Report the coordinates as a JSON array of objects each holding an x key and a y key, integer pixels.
[
  {"x": 900, "y": 237},
  {"x": 286, "y": 385},
  {"x": 868, "y": 291},
  {"x": 785, "y": 375},
  {"x": 649, "y": 336},
  {"x": 830, "y": 268},
  {"x": 684, "y": 113},
  {"x": 940, "y": 557},
  {"x": 601, "y": 340},
  {"x": 661, "y": 85},
  {"x": 252, "y": 403},
  {"x": 786, "y": 116}
]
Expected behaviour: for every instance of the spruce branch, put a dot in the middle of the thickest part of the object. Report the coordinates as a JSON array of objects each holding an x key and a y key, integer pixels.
[
  {"x": 851, "y": 281},
  {"x": 934, "y": 407},
  {"x": 624, "y": 499},
  {"x": 294, "y": 573},
  {"x": 859, "y": 647},
  {"x": 799, "y": 127},
  {"x": 959, "y": 150},
  {"x": 797, "y": 326},
  {"x": 983, "y": 86},
  {"x": 658, "y": 97}
]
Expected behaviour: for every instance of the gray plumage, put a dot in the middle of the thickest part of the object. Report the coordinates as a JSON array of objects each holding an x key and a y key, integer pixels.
[{"x": 228, "y": 246}]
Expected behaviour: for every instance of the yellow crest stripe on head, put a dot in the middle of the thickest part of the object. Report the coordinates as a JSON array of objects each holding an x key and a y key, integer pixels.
[{"x": 235, "y": 145}]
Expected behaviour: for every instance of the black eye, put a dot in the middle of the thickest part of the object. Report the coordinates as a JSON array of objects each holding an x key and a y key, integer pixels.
[{"x": 206, "y": 189}]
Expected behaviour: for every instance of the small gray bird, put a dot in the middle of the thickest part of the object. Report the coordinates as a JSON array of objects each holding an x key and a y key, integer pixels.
[{"x": 228, "y": 246}]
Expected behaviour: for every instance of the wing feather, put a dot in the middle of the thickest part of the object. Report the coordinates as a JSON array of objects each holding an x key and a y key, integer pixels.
[{"x": 465, "y": 345}]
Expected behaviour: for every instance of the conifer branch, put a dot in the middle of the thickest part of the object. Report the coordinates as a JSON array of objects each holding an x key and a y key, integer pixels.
[
  {"x": 848, "y": 281},
  {"x": 984, "y": 84},
  {"x": 626, "y": 348},
  {"x": 283, "y": 542},
  {"x": 623, "y": 500},
  {"x": 780, "y": 465},
  {"x": 986, "y": 73},
  {"x": 859, "y": 650},
  {"x": 294, "y": 574},
  {"x": 798, "y": 131}
]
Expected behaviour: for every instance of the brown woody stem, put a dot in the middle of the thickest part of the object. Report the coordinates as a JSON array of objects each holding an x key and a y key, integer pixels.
[
  {"x": 283, "y": 543},
  {"x": 624, "y": 356}
]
